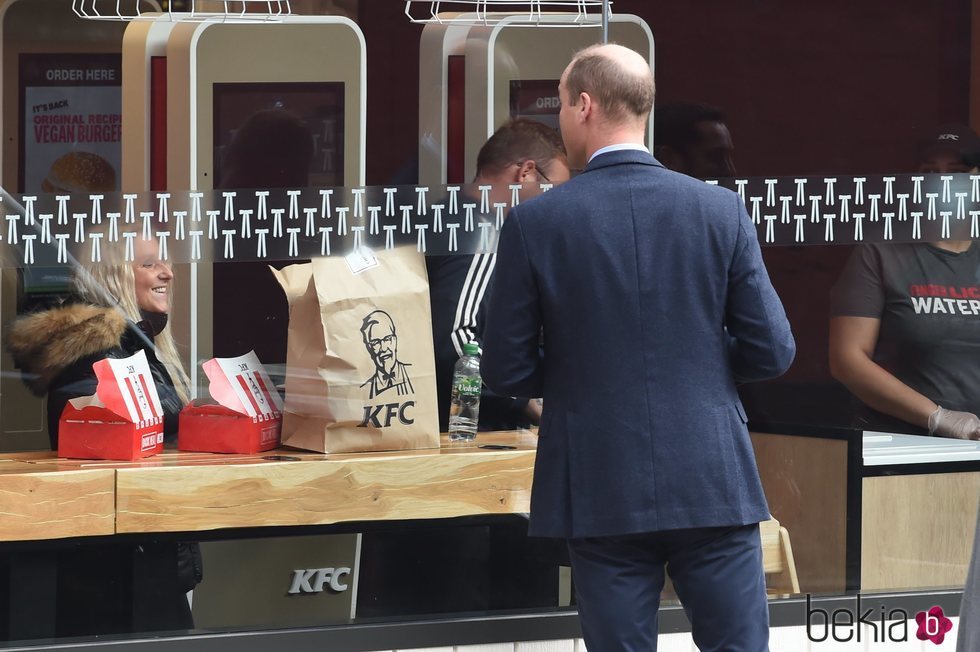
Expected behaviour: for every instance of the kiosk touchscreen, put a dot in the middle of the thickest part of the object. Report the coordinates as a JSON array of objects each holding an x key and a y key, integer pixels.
[
  {"x": 221, "y": 73},
  {"x": 536, "y": 99},
  {"x": 318, "y": 108}
]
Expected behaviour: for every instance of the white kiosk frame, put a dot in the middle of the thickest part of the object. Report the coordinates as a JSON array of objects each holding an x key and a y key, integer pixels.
[
  {"x": 497, "y": 55},
  {"x": 487, "y": 77}
]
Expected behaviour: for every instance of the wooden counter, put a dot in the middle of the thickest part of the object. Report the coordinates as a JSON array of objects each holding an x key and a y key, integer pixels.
[
  {"x": 44, "y": 497},
  {"x": 37, "y": 502},
  {"x": 318, "y": 490},
  {"x": 909, "y": 529}
]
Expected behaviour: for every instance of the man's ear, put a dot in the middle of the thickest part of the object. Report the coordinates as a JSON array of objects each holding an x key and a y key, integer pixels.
[
  {"x": 521, "y": 172},
  {"x": 585, "y": 106}
]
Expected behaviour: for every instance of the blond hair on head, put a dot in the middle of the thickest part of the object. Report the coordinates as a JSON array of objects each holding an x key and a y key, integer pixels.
[{"x": 111, "y": 283}]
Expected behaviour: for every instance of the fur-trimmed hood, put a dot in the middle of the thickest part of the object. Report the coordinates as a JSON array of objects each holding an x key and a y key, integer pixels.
[{"x": 46, "y": 343}]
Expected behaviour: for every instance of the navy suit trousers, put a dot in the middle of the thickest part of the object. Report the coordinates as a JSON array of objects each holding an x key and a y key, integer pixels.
[{"x": 717, "y": 573}]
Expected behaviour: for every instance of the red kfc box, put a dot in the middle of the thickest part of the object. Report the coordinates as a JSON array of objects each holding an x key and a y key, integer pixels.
[
  {"x": 122, "y": 421},
  {"x": 248, "y": 414}
]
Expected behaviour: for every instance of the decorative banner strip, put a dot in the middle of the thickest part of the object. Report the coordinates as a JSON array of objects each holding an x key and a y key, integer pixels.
[{"x": 53, "y": 230}]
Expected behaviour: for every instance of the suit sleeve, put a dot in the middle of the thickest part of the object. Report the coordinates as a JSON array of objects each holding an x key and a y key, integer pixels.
[
  {"x": 498, "y": 411},
  {"x": 761, "y": 344},
  {"x": 511, "y": 362}
]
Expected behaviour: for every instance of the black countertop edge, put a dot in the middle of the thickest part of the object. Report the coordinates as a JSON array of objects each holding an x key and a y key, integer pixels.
[
  {"x": 925, "y": 468},
  {"x": 805, "y": 430},
  {"x": 790, "y": 612},
  {"x": 38, "y": 546}
]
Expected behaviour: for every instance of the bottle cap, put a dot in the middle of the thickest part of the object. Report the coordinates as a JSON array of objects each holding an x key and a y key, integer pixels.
[{"x": 471, "y": 349}]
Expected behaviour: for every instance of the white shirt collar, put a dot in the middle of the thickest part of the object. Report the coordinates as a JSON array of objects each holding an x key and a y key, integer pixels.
[{"x": 617, "y": 148}]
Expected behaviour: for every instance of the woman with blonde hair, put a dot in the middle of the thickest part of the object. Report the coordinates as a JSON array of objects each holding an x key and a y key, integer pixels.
[
  {"x": 117, "y": 309},
  {"x": 119, "y": 306}
]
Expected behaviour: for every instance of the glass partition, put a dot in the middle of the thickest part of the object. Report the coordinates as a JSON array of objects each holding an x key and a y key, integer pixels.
[{"x": 845, "y": 131}]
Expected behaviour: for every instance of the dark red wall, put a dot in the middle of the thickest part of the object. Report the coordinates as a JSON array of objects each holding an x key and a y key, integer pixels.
[
  {"x": 393, "y": 88},
  {"x": 814, "y": 88},
  {"x": 810, "y": 87}
]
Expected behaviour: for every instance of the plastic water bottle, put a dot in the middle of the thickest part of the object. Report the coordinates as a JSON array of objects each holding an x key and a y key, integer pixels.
[{"x": 464, "y": 412}]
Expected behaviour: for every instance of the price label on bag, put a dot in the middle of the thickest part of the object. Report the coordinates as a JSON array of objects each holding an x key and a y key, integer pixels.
[{"x": 361, "y": 260}]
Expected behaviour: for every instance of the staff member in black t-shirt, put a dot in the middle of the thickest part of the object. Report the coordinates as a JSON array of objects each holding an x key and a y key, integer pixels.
[{"x": 905, "y": 326}]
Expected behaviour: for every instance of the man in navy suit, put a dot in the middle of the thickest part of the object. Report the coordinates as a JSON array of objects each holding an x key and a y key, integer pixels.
[{"x": 650, "y": 292}]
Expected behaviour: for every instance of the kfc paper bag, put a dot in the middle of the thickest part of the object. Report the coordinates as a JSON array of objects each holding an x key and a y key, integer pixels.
[
  {"x": 247, "y": 417},
  {"x": 360, "y": 366},
  {"x": 123, "y": 420}
]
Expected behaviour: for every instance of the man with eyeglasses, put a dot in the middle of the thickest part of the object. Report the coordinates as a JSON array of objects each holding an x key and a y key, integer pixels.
[{"x": 521, "y": 151}]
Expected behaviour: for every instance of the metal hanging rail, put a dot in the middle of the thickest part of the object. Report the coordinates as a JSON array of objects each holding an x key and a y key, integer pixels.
[
  {"x": 517, "y": 13},
  {"x": 230, "y": 10},
  {"x": 606, "y": 12}
]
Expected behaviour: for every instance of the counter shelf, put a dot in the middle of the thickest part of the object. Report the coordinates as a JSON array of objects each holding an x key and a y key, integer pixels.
[
  {"x": 188, "y": 492},
  {"x": 856, "y": 504},
  {"x": 871, "y": 511}
]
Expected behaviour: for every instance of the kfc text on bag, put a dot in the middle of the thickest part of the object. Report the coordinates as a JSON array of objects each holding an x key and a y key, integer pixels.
[
  {"x": 248, "y": 416},
  {"x": 122, "y": 421},
  {"x": 360, "y": 366}
]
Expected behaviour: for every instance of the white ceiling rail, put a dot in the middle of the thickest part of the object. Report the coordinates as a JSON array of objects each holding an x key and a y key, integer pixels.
[
  {"x": 519, "y": 13},
  {"x": 111, "y": 9},
  {"x": 198, "y": 10}
]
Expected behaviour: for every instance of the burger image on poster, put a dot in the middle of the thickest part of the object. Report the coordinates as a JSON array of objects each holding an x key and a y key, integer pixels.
[{"x": 80, "y": 172}]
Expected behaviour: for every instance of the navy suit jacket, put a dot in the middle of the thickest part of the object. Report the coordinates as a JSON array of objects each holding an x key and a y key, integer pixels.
[{"x": 650, "y": 291}]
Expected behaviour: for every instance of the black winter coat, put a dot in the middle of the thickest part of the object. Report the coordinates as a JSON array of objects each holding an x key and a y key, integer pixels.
[
  {"x": 106, "y": 587},
  {"x": 56, "y": 349}
]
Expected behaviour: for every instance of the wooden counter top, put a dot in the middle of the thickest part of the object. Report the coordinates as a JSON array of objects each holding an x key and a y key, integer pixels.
[{"x": 44, "y": 497}]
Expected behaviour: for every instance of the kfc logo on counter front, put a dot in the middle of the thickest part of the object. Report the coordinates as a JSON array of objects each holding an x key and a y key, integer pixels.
[
  {"x": 316, "y": 580},
  {"x": 390, "y": 378}
]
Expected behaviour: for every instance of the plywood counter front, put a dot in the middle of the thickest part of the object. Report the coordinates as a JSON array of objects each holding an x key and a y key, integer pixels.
[
  {"x": 44, "y": 503},
  {"x": 319, "y": 490},
  {"x": 873, "y": 511}
]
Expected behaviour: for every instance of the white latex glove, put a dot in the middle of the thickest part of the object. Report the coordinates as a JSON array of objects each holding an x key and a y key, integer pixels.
[{"x": 958, "y": 425}]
